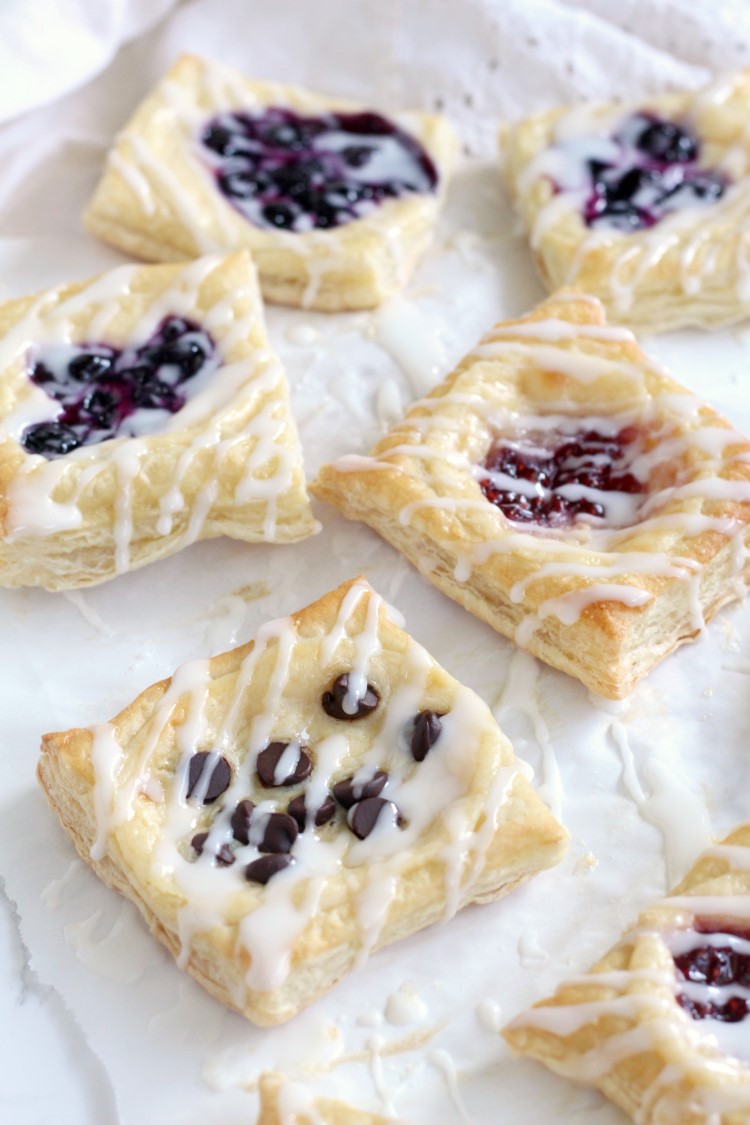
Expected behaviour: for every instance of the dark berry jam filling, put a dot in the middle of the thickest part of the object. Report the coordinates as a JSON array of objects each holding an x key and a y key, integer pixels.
[
  {"x": 648, "y": 170},
  {"x": 715, "y": 965},
  {"x": 557, "y": 485},
  {"x": 287, "y": 172},
  {"x": 104, "y": 392}
]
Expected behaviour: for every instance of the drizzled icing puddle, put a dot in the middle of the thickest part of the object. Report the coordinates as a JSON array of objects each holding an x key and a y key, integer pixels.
[
  {"x": 556, "y": 480},
  {"x": 646, "y": 170},
  {"x": 712, "y": 963},
  {"x": 283, "y": 171},
  {"x": 103, "y": 392}
]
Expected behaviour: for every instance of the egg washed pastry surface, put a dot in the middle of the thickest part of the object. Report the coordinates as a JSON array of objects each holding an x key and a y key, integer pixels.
[
  {"x": 565, "y": 490},
  {"x": 659, "y": 1023},
  {"x": 279, "y": 811},
  {"x": 139, "y": 411},
  {"x": 334, "y": 202},
  {"x": 290, "y": 1103},
  {"x": 646, "y": 205}
]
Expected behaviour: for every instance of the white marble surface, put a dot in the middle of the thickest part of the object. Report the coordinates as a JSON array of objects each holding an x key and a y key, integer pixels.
[{"x": 96, "y": 1025}]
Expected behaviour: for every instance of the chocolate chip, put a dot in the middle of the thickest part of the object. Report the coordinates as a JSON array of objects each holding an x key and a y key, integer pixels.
[
  {"x": 264, "y": 868},
  {"x": 363, "y": 816},
  {"x": 224, "y": 857},
  {"x": 424, "y": 735},
  {"x": 218, "y": 782},
  {"x": 337, "y": 699},
  {"x": 349, "y": 790},
  {"x": 241, "y": 818},
  {"x": 279, "y": 834},
  {"x": 269, "y": 759},
  {"x": 298, "y": 809}
]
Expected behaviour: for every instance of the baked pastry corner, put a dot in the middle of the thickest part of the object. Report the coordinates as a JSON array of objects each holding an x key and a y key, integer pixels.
[{"x": 644, "y": 204}]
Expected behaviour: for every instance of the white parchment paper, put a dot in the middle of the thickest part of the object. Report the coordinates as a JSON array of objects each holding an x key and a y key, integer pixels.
[{"x": 641, "y": 787}]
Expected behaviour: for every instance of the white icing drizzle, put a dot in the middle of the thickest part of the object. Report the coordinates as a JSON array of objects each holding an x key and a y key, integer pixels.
[
  {"x": 679, "y": 814},
  {"x": 214, "y": 395},
  {"x": 434, "y": 797},
  {"x": 603, "y": 556},
  {"x": 582, "y": 131}
]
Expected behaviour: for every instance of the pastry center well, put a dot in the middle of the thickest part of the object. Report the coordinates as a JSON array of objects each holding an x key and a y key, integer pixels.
[{"x": 283, "y": 171}]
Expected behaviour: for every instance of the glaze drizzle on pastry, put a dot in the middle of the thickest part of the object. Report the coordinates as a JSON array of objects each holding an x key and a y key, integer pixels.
[
  {"x": 366, "y": 802},
  {"x": 558, "y": 470},
  {"x": 649, "y": 210},
  {"x": 183, "y": 379}
]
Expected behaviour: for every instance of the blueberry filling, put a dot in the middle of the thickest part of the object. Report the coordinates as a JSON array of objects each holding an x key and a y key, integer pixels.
[
  {"x": 283, "y": 171},
  {"x": 554, "y": 487},
  {"x": 104, "y": 392},
  {"x": 716, "y": 966},
  {"x": 648, "y": 170}
]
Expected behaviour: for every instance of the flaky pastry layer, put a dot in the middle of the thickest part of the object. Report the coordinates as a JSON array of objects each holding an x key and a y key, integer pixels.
[
  {"x": 158, "y": 201},
  {"x": 620, "y": 1027},
  {"x": 604, "y": 604},
  {"x": 470, "y": 826},
  {"x": 228, "y": 463}
]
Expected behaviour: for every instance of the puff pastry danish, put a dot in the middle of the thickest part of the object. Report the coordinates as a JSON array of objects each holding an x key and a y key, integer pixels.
[
  {"x": 563, "y": 489},
  {"x": 647, "y": 206},
  {"x": 334, "y": 202},
  {"x": 658, "y": 1024},
  {"x": 289, "y": 1103},
  {"x": 281, "y": 810},
  {"x": 139, "y": 411}
]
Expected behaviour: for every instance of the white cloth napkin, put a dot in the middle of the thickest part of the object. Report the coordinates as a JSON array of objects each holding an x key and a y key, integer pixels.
[{"x": 49, "y": 47}]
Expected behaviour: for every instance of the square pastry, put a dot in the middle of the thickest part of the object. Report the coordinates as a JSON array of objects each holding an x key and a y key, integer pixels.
[
  {"x": 646, "y": 205},
  {"x": 658, "y": 1024},
  {"x": 565, "y": 490},
  {"x": 139, "y": 411},
  {"x": 334, "y": 201},
  {"x": 279, "y": 811}
]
